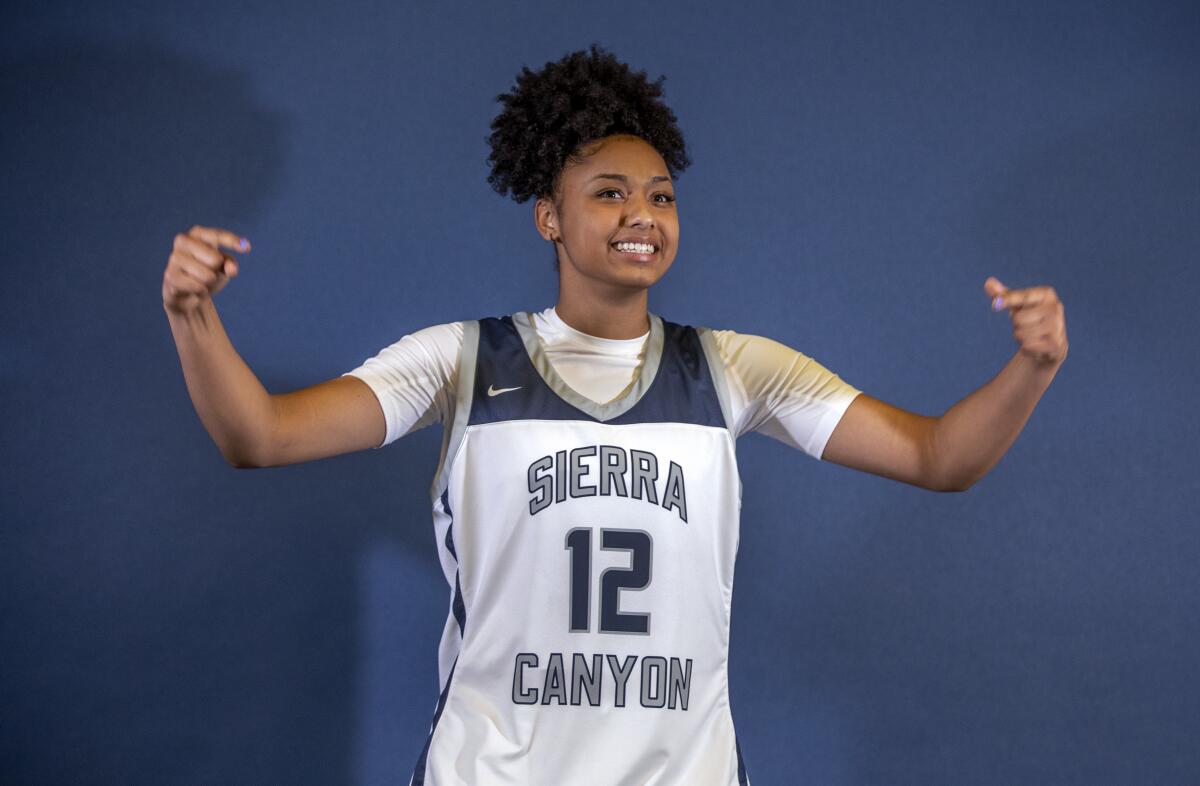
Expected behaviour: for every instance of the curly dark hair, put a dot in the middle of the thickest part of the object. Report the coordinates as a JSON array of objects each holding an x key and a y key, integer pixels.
[{"x": 551, "y": 113}]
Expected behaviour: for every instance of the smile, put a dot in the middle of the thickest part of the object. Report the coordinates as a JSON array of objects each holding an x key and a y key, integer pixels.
[{"x": 636, "y": 249}]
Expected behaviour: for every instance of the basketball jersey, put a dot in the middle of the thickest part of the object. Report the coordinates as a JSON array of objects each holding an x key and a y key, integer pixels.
[{"x": 590, "y": 553}]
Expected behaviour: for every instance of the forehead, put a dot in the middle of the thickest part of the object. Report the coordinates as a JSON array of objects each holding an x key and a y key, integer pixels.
[{"x": 626, "y": 155}]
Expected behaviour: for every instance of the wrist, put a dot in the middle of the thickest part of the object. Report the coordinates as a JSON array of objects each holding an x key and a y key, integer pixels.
[{"x": 198, "y": 318}]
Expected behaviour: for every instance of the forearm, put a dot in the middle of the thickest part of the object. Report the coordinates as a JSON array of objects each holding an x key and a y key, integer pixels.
[
  {"x": 973, "y": 434},
  {"x": 234, "y": 407}
]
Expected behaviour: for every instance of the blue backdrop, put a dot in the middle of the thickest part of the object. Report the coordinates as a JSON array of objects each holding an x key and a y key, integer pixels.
[{"x": 859, "y": 170}]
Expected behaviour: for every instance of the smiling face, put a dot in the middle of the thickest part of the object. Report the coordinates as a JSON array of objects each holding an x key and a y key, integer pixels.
[{"x": 618, "y": 192}]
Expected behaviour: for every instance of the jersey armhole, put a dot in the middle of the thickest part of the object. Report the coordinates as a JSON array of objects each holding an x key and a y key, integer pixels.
[
  {"x": 464, "y": 391},
  {"x": 716, "y": 370}
]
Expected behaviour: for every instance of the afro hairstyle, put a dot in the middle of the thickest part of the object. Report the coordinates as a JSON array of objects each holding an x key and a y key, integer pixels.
[{"x": 551, "y": 113}]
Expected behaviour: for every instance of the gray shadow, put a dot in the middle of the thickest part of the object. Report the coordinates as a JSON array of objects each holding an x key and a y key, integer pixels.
[{"x": 166, "y": 618}]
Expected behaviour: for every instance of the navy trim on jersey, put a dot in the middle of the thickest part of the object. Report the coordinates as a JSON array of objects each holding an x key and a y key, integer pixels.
[
  {"x": 449, "y": 529},
  {"x": 460, "y": 608},
  {"x": 507, "y": 385},
  {"x": 460, "y": 614}
]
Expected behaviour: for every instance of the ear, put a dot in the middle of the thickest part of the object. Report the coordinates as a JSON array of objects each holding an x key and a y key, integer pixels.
[{"x": 545, "y": 218}]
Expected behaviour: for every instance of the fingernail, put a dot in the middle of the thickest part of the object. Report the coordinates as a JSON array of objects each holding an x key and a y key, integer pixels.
[
  {"x": 998, "y": 303},
  {"x": 244, "y": 243}
]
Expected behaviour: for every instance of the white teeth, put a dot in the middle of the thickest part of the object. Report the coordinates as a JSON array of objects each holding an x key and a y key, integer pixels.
[{"x": 637, "y": 248}]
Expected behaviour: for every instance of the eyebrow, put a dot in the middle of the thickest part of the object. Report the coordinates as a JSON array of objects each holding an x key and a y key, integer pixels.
[{"x": 625, "y": 180}]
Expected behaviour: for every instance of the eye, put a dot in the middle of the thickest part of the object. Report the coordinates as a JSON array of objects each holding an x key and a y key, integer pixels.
[
  {"x": 609, "y": 191},
  {"x": 666, "y": 198}
]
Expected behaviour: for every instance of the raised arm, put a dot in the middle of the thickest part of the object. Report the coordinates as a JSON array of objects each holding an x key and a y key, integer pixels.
[
  {"x": 953, "y": 452},
  {"x": 251, "y": 427}
]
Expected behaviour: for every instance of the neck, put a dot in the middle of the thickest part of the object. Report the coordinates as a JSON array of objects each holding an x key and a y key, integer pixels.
[{"x": 621, "y": 317}]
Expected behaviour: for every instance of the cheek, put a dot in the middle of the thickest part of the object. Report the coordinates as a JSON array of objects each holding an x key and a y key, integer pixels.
[{"x": 671, "y": 228}]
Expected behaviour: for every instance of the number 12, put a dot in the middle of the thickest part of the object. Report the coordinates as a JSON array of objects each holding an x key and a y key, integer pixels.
[{"x": 612, "y": 580}]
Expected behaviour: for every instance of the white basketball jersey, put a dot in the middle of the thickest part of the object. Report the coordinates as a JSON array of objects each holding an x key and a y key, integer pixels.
[{"x": 590, "y": 551}]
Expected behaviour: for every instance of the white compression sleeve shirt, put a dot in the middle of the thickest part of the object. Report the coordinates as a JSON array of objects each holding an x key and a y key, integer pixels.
[{"x": 773, "y": 389}]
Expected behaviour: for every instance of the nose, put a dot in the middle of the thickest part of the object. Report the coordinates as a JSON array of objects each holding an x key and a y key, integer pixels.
[{"x": 637, "y": 212}]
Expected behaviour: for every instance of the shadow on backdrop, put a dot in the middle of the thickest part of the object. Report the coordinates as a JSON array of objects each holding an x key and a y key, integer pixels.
[{"x": 168, "y": 618}]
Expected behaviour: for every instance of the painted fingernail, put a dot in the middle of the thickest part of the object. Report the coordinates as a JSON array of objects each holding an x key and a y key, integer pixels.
[
  {"x": 244, "y": 243},
  {"x": 998, "y": 303}
]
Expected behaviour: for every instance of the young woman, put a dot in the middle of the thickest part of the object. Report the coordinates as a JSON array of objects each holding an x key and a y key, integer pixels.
[{"x": 586, "y": 504}]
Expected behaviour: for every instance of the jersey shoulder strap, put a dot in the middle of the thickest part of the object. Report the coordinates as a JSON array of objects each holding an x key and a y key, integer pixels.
[
  {"x": 464, "y": 384},
  {"x": 716, "y": 370}
]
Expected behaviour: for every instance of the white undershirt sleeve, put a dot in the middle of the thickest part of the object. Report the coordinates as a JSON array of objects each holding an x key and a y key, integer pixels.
[
  {"x": 414, "y": 379},
  {"x": 782, "y": 393}
]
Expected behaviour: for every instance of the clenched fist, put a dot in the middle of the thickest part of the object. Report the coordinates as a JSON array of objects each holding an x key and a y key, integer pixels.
[
  {"x": 1038, "y": 319},
  {"x": 197, "y": 269}
]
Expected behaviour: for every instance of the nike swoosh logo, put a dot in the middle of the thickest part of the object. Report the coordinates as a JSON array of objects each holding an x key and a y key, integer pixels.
[{"x": 493, "y": 392}]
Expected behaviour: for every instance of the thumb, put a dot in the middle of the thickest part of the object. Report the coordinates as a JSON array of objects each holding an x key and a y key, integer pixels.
[{"x": 995, "y": 289}]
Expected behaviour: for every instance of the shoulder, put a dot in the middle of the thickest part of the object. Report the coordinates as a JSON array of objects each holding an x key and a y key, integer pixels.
[
  {"x": 443, "y": 340},
  {"x": 770, "y": 372},
  {"x": 428, "y": 353},
  {"x": 747, "y": 351}
]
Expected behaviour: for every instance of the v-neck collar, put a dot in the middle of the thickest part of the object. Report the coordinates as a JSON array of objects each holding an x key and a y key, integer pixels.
[{"x": 624, "y": 400}]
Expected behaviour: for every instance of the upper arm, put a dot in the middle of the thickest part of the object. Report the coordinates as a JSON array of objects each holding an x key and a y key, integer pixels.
[
  {"x": 780, "y": 392},
  {"x": 873, "y": 436},
  {"x": 340, "y": 415},
  {"x": 406, "y": 386}
]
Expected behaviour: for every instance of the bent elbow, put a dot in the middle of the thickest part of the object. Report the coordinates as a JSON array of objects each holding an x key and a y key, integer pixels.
[
  {"x": 241, "y": 462},
  {"x": 956, "y": 486},
  {"x": 945, "y": 483}
]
